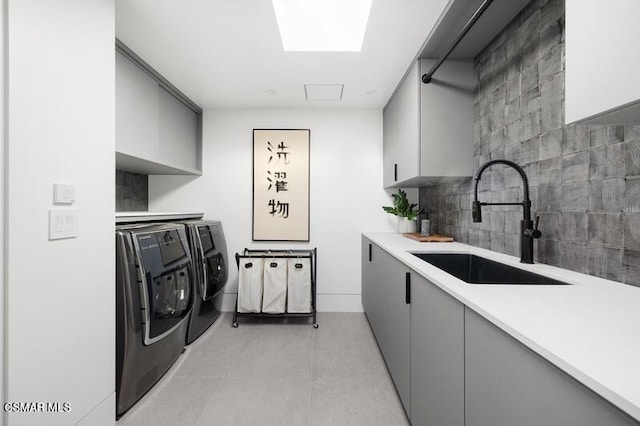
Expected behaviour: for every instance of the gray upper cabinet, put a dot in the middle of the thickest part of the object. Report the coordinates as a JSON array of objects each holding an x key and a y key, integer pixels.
[
  {"x": 446, "y": 130},
  {"x": 401, "y": 131},
  {"x": 437, "y": 356},
  {"x": 179, "y": 138},
  {"x": 428, "y": 128},
  {"x": 602, "y": 60},
  {"x": 507, "y": 384},
  {"x": 157, "y": 132},
  {"x": 137, "y": 101}
]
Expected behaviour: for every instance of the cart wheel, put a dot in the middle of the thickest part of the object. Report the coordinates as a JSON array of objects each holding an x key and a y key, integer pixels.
[
  {"x": 235, "y": 325},
  {"x": 315, "y": 325}
]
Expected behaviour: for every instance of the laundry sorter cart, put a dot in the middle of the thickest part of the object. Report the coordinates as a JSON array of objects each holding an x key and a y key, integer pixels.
[{"x": 276, "y": 283}]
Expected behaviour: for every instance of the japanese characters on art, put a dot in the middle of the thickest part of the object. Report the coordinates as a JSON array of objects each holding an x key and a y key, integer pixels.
[
  {"x": 281, "y": 185},
  {"x": 278, "y": 183}
]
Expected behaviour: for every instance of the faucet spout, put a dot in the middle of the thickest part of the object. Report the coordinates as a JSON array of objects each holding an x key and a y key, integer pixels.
[
  {"x": 526, "y": 203},
  {"x": 528, "y": 231}
]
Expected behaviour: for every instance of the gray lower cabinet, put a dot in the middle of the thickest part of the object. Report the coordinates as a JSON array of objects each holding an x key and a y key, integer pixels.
[
  {"x": 419, "y": 329},
  {"x": 452, "y": 367},
  {"x": 437, "y": 356},
  {"x": 507, "y": 384},
  {"x": 383, "y": 298},
  {"x": 372, "y": 285}
]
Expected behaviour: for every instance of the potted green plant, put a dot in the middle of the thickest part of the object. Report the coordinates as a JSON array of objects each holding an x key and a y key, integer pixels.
[{"x": 407, "y": 212}]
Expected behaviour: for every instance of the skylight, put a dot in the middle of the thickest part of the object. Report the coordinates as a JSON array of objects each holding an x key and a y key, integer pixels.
[{"x": 322, "y": 25}]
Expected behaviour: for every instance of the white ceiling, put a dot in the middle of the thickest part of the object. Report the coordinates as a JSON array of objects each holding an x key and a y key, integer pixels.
[{"x": 228, "y": 53}]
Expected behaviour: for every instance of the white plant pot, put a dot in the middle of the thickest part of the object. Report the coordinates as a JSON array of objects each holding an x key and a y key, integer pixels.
[{"x": 406, "y": 226}]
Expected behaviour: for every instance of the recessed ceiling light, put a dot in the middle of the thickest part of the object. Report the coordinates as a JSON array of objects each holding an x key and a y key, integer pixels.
[{"x": 322, "y": 25}]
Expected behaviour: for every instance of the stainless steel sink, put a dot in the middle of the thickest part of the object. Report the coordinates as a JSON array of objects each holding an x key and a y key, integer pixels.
[{"x": 474, "y": 269}]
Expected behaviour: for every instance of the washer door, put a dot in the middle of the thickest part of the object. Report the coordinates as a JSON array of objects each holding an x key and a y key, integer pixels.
[
  {"x": 214, "y": 263},
  {"x": 165, "y": 285},
  {"x": 217, "y": 275}
]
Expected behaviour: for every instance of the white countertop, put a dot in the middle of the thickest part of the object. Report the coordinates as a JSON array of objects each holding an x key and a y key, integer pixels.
[
  {"x": 145, "y": 216},
  {"x": 590, "y": 329}
]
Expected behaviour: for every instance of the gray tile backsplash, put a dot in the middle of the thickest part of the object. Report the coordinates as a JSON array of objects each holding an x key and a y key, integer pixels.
[
  {"x": 132, "y": 192},
  {"x": 585, "y": 179}
]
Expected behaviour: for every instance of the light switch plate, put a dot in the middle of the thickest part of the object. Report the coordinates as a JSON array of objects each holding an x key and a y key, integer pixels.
[
  {"x": 64, "y": 193},
  {"x": 63, "y": 223}
]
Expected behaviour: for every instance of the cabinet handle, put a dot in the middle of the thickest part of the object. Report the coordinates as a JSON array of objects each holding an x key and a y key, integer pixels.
[
  {"x": 395, "y": 172},
  {"x": 369, "y": 252},
  {"x": 407, "y": 290}
]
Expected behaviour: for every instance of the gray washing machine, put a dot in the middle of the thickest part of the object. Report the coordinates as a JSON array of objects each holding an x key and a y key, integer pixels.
[
  {"x": 153, "y": 304},
  {"x": 210, "y": 272}
]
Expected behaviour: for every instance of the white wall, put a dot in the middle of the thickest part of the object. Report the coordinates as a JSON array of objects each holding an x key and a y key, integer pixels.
[
  {"x": 346, "y": 190},
  {"x": 3, "y": 128},
  {"x": 60, "y": 330}
]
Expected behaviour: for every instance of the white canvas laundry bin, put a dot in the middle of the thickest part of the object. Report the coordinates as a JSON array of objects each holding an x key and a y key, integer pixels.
[
  {"x": 299, "y": 285},
  {"x": 274, "y": 297},
  {"x": 250, "y": 284}
]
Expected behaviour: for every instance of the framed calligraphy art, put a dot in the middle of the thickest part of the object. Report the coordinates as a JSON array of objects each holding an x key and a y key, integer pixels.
[{"x": 281, "y": 185}]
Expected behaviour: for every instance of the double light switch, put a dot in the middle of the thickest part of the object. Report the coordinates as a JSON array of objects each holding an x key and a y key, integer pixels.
[{"x": 63, "y": 222}]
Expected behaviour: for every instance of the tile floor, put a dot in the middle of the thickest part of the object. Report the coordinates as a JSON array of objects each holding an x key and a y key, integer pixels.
[{"x": 266, "y": 372}]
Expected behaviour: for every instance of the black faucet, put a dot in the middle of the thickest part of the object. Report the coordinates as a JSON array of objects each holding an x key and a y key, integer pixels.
[{"x": 527, "y": 231}]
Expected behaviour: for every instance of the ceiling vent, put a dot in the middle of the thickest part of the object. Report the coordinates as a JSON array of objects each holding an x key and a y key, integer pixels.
[{"x": 323, "y": 92}]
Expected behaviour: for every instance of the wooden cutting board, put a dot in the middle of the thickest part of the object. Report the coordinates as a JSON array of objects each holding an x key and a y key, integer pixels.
[{"x": 433, "y": 238}]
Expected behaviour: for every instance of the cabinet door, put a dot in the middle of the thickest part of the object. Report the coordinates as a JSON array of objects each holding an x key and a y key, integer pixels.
[
  {"x": 384, "y": 300},
  {"x": 446, "y": 135},
  {"x": 136, "y": 111},
  {"x": 437, "y": 356},
  {"x": 401, "y": 131},
  {"x": 374, "y": 291},
  {"x": 179, "y": 137},
  {"x": 394, "y": 324},
  {"x": 369, "y": 283},
  {"x": 508, "y": 384},
  {"x": 602, "y": 60}
]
